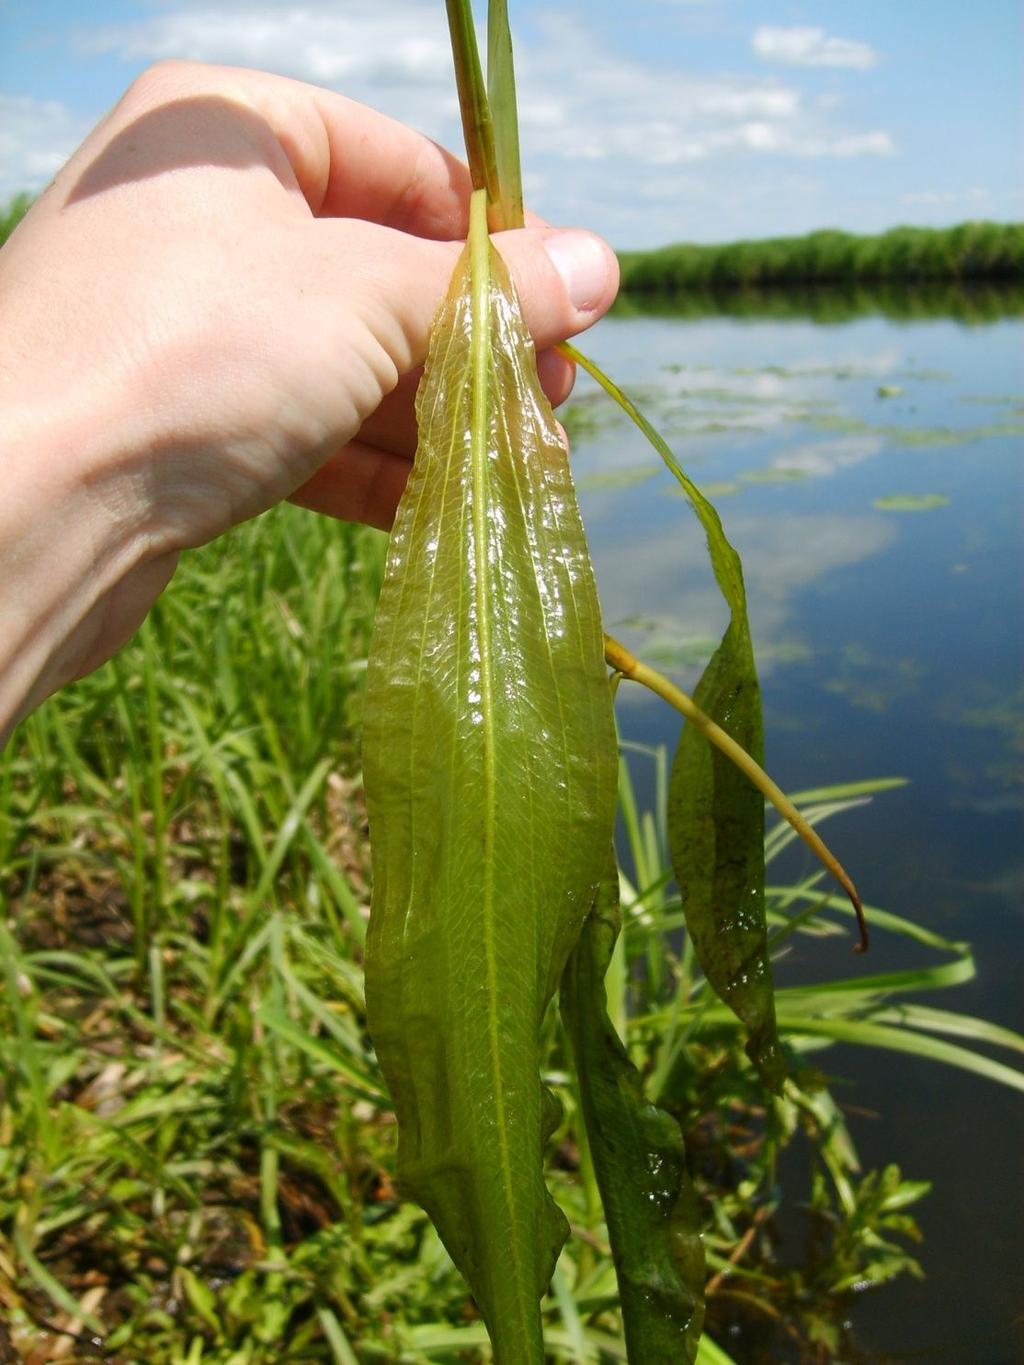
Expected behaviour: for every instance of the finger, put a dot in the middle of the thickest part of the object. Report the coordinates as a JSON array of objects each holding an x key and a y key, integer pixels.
[
  {"x": 566, "y": 280},
  {"x": 557, "y": 375},
  {"x": 348, "y": 160},
  {"x": 359, "y": 483},
  {"x": 361, "y": 164},
  {"x": 364, "y": 481},
  {"x": 393, "y": 426}
]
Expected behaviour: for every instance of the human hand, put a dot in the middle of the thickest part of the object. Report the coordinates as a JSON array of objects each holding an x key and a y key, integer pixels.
[{"x": 222, "y": 301}]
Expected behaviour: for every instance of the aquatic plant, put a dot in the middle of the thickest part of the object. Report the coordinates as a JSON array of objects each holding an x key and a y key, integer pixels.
[{"x": 489, "y": 766}]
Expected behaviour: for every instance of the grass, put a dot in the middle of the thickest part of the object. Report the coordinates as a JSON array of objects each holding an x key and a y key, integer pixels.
[
  {"x": 196, "y": 1151},
  {"x": 970, "y": 251}
]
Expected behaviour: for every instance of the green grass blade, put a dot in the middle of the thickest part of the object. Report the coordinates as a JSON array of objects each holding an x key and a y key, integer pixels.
[
  {"x": 955, "y": 1025},
  {"x": 341, "y": 1350},
  {"x": 845, "y": 791},
  {"x": 290, "y": 827},
  {"x": 52, "y": 1286},
  {"x": 292, "y": 1032},
  {"x": 880, "y": 919},
  {"x": 869, "y": 1034},
  {"x": 571, "y": 1321}
]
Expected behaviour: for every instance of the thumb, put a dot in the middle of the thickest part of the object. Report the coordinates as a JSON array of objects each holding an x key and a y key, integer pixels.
[{"x": 566, "y": 279}]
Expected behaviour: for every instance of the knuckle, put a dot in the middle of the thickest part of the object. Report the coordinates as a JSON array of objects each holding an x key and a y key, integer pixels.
[{"x": 166, "y": 80}]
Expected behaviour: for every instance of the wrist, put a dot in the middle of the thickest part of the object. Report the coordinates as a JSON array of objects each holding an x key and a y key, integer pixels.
[{"x": 72, "y": 529}]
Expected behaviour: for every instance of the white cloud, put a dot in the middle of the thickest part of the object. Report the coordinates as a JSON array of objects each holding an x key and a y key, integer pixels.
[
  {"x": 36, "y": 138},
  {"x": 620, "y": 112},
  {"x": 645, "y": 126},
  {"x": 600, "y": 106},
  {"x": 931, "y": 198},
  {"x": 807, "y": 46},
  {"x": 394, "y": 56},
  {"x": 362, "y": 41},
  {"x": 878, "y": 143},
  {"x": 781, "y": 554},
  {"x": 763, "y": 137}
]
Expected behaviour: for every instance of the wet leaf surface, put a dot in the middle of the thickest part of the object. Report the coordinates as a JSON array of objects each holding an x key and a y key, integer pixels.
[{"x": 490, "y": 771}]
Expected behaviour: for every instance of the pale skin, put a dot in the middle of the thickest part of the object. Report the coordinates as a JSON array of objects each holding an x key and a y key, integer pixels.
[{"x": 223, "y": 301}]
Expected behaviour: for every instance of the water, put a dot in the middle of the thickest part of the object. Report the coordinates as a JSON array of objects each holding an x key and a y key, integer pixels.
[{"x": 889, "y": 638}]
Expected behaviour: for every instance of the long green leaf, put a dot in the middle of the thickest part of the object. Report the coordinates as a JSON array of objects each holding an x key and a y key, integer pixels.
[
  {"x": 716, "y": 831},
  {"x": 715, "y": 815},
  {"x": 716, "y": 824},
  {"x": 867, "y": 1034},
  {"x": 639, "y": 1160},
  {"x": 490, "y": 772},
  {"x": 894, "y": 1035},
  {"x": 957, "y": 1025}
]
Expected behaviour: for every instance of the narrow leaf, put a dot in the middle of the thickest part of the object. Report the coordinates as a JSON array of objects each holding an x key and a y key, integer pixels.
[
  {"x": 490, "y": 771},
  {"x": 716, "y": 823},
  {"x": 501, "y": 92},
  {"x": 867, "y": 1034},
  {"x": 715, "y": 815},
  {"x": 639, "y": 1160}
]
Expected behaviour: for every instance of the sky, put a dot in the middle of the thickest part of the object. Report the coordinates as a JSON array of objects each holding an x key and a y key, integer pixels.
[{"x": 651, "y": 121}]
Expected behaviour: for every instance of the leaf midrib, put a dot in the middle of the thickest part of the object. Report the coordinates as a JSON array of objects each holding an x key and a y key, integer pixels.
[{"x": 480, "y": 400}]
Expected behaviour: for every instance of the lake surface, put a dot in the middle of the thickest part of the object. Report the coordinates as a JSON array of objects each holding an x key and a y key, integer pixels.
[{"x": 869, "y": 472}]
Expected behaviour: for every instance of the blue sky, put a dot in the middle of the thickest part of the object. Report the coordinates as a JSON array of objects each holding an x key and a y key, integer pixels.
[{"x": 649, "y": 120}]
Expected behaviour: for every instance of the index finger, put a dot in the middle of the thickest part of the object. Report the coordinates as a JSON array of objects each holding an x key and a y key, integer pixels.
[
  {"x": 373, "y": 167},
  {"x": 348, "y": 160}
]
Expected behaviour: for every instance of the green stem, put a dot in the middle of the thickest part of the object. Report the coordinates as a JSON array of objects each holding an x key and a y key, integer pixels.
[
  {"x": 623, "y": 662},
  {"x": 477, "y": 124},
  {"x": 632, "y": 411}
]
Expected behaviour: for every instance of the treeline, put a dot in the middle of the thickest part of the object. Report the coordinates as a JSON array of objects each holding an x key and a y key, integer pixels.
[{"x": 971, "y": 251}]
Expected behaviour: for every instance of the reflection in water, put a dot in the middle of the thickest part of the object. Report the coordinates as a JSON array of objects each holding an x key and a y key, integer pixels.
[
  {"x": 889, "y": 638},
  {"x": 780, "y": 555},
  {"x": 973, "y": 303}
]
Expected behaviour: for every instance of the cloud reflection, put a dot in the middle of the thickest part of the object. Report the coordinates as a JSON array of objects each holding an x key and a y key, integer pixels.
[{"x": 663, "y": 572}]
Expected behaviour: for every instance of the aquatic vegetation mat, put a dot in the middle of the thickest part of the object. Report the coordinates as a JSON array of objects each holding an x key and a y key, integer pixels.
[{"x": 911, "y": 502}]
